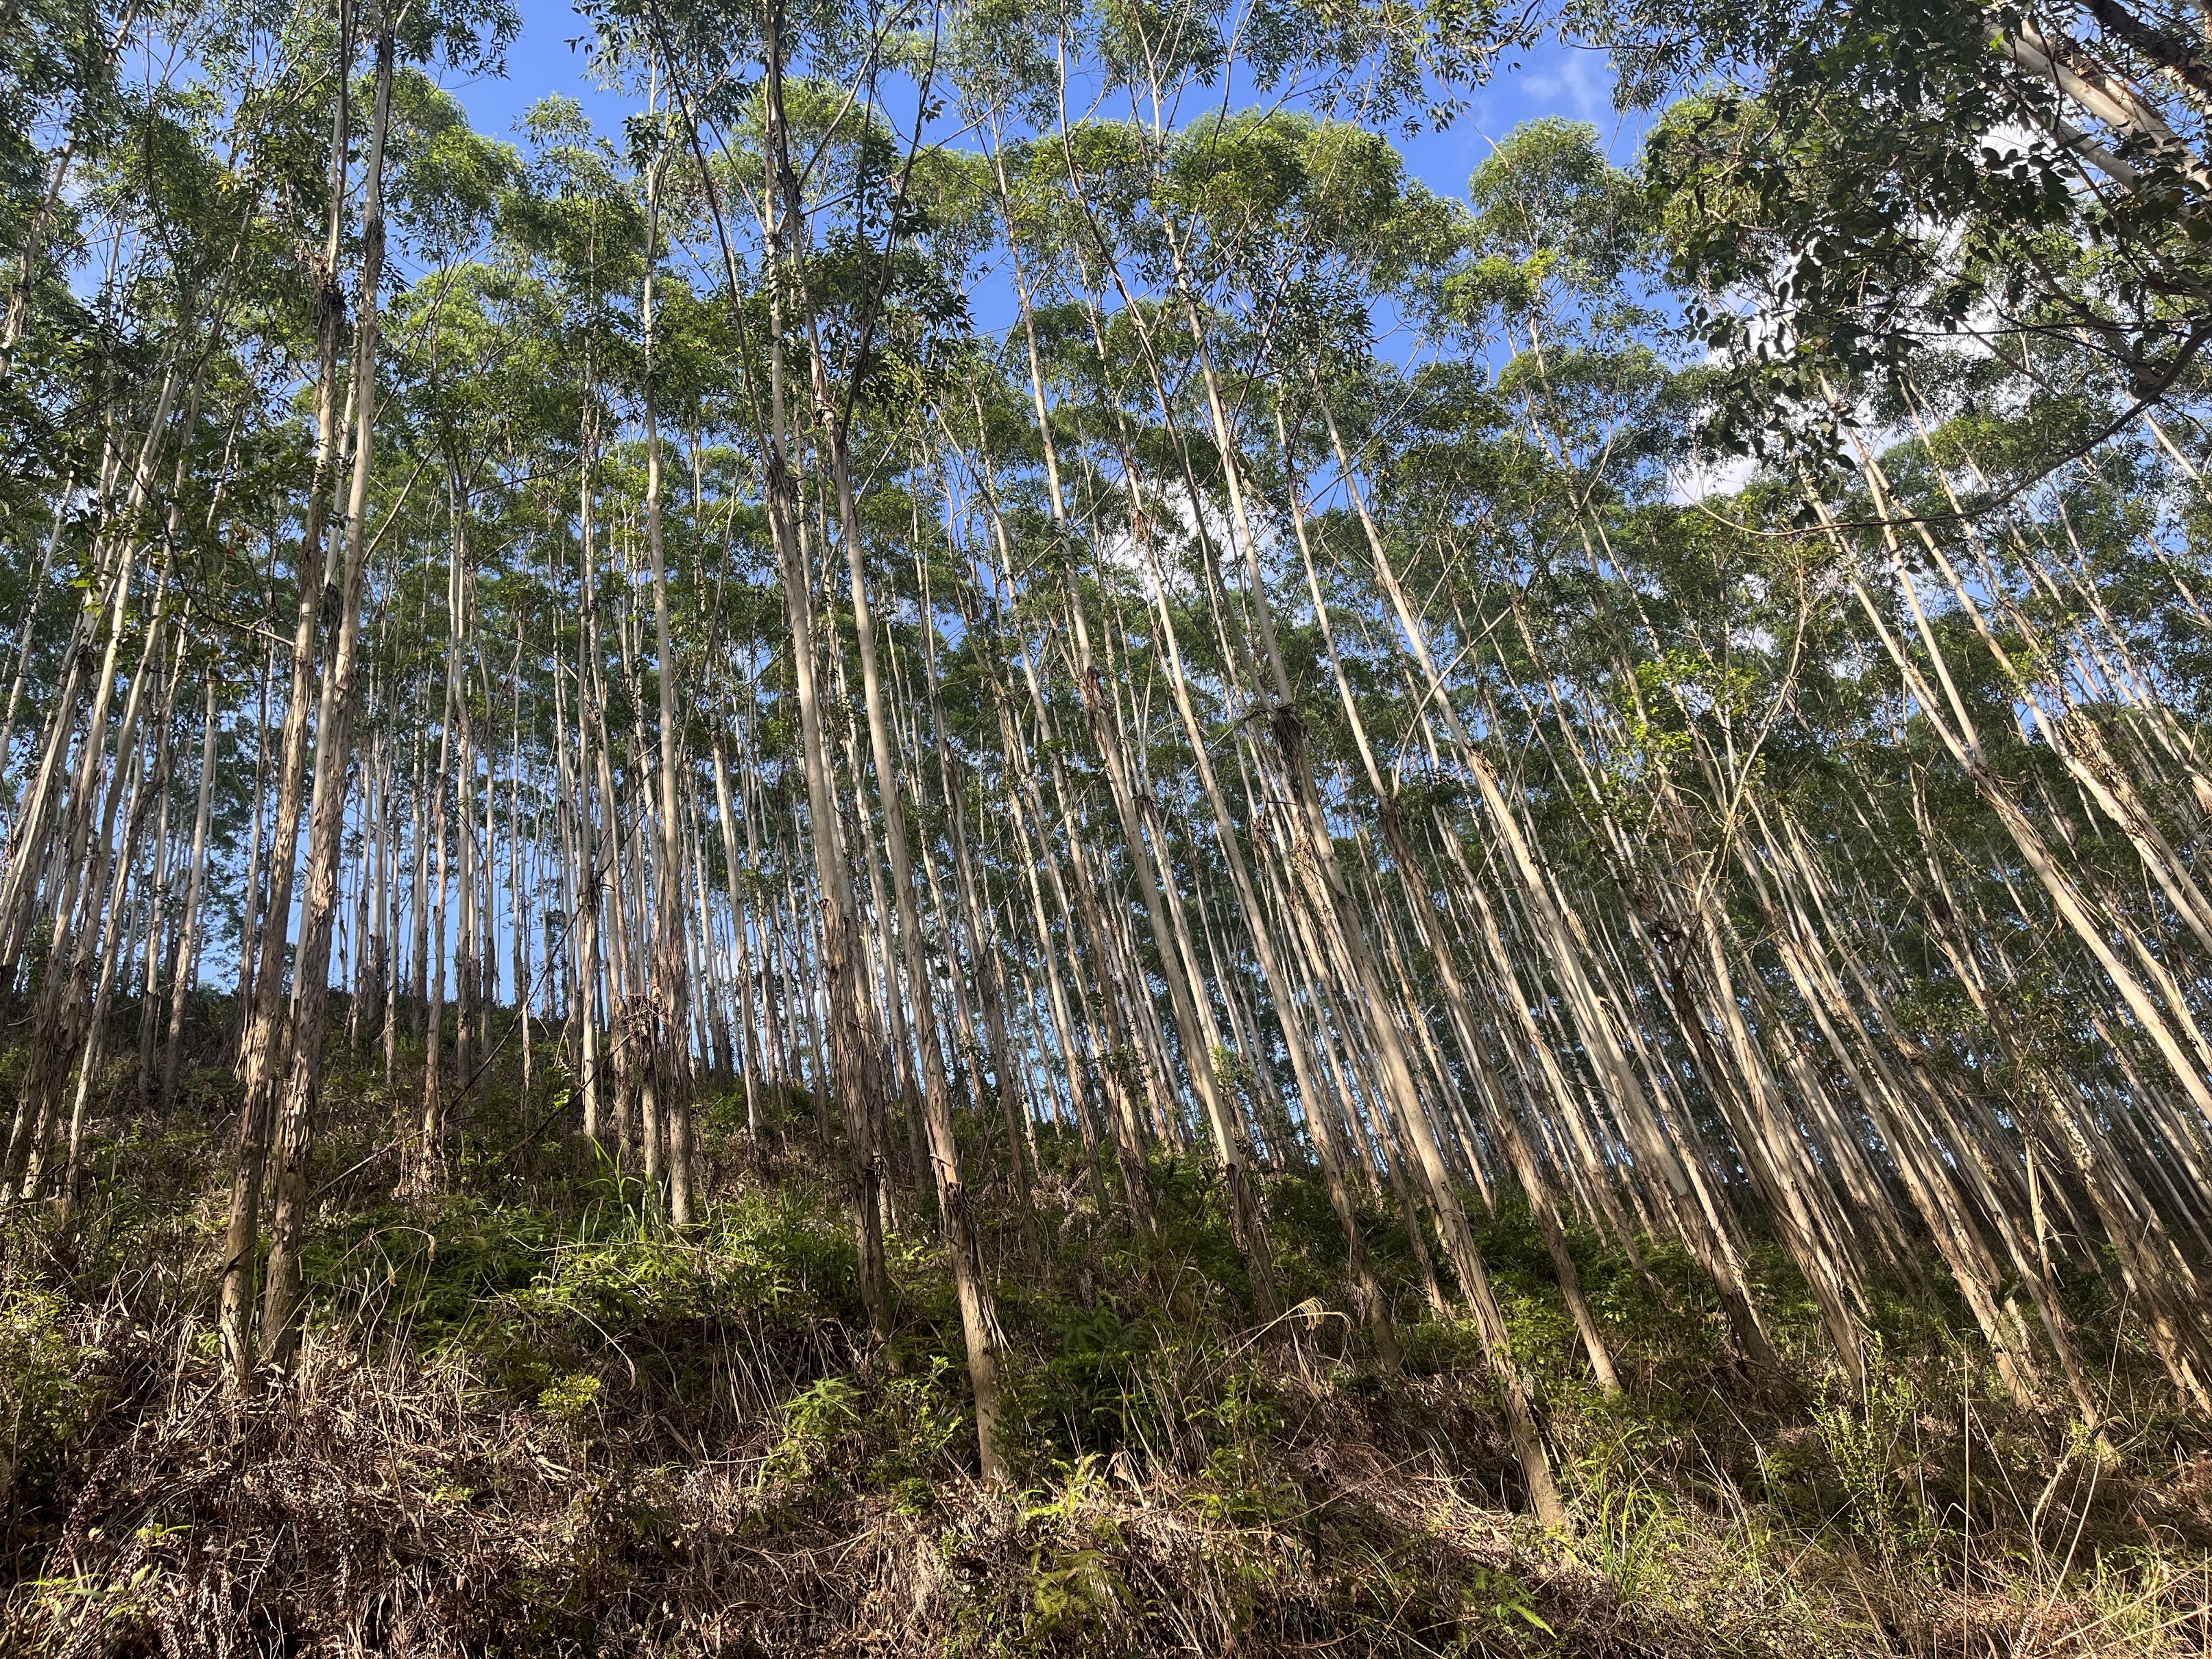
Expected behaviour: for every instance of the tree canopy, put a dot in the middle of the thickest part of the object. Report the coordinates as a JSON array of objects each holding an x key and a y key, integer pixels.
[{"x": 1006, "y": 590}]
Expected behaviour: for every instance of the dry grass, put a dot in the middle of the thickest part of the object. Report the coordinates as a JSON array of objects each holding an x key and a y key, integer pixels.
[
  {"x": 361, "y": 1509},
  {"x": 648, "y": 1445}
]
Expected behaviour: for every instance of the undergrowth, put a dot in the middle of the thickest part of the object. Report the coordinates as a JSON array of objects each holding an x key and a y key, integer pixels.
[{"x": 531, "y": 1418}]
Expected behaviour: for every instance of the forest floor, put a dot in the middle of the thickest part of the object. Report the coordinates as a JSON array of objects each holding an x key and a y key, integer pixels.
[{"x": 531, "y": 1419}]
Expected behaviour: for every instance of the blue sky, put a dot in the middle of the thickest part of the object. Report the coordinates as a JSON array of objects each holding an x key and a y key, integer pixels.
[{"x": 1553, "y": 80}]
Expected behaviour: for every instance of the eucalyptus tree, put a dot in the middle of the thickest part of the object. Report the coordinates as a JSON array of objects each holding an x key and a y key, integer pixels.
[
  {"x": 283, "y": 1042},
  {"x": 785, "y": 120},
  {"x": 1301, "y": 698}
]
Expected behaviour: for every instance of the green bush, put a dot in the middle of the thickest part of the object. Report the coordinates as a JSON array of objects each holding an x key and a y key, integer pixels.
[{"x": 46, "y": 1400}]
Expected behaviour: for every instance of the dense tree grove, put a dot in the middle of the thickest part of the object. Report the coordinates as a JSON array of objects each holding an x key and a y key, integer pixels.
[{"x": 1002, "y": 588}]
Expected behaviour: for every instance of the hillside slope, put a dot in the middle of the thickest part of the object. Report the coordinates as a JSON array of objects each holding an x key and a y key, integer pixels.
[{"x": 531, "y": 1418}]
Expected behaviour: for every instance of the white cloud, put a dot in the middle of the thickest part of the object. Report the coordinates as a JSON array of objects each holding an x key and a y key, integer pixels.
[{"x": 1581, "y": 83}]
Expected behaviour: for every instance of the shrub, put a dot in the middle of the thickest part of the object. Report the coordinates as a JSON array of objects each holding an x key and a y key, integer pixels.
[{"x": 45, "y": 1400}]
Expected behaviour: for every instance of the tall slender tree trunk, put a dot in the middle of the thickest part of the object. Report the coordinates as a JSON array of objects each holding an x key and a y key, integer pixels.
[{"x": 333, "y": 762}]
